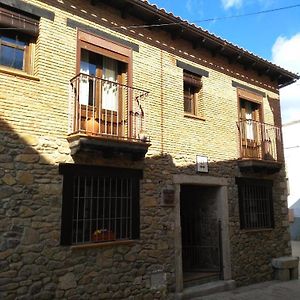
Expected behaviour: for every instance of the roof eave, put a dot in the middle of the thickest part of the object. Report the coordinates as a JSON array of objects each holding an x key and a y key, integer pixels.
[{"x": 214, "y": 43}]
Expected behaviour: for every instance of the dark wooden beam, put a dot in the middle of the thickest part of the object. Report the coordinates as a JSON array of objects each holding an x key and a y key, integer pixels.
[
  {"x": 94, "y": 2},
  {"x": 217, "y": 50},
  {"x": 199, "y": 43},
  {"x": 155, "y": 21},
  {"x": 175, "y": 34},
  {"x": 126, "y": 10}
]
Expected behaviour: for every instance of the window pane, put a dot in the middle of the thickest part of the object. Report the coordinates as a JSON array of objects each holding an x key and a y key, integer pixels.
[
  {"x": 13, "y": 39},
  {"x": 11, "y": 57}
]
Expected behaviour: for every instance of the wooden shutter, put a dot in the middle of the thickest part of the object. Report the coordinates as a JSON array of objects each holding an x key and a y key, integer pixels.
[{"x": 19, "y": 21}]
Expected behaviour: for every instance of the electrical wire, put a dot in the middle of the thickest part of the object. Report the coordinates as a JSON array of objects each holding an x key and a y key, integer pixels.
[
  {"x": 211, "y": 19},
  {"x": 197, "y": 21}
]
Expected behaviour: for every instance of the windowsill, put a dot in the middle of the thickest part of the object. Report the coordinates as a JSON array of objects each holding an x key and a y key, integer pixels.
[
  {"x": 187, "y": 115},
  {"x": 101, "y": 245},
  {"x": 256, "y": 230},
  {"x": 17, "y": 73}
]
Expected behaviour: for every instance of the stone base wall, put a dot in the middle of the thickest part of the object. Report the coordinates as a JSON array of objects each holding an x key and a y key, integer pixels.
[
  {"x": 34, "y": 265},
  {"x": 33, "y": 130}
]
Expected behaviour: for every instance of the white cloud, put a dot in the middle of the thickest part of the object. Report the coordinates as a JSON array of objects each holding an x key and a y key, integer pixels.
[
  {"x": 195, "y": 7},
  {"x": 232, "y": 3},
  {"x": 285, "y": 53}
]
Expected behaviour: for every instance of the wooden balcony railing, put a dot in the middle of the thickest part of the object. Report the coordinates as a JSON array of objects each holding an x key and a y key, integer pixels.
[
  {"x": 108, "y": 109},
  {"x": 259, "y": 141}
]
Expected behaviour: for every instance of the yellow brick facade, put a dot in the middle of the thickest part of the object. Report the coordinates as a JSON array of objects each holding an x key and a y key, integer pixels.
[{"x": 34, "y": 121}]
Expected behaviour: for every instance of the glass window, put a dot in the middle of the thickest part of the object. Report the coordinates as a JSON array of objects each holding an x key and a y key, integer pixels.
[
  {"x": 12, "y": 51},
  {"x": 191, "y": 87},
  {"x": 15, "y": 50}
]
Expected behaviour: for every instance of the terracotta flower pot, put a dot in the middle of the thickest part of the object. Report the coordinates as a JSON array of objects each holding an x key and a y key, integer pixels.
[
  {"x": 103, "y": 235},
  {"x": 92, "y": 126}
]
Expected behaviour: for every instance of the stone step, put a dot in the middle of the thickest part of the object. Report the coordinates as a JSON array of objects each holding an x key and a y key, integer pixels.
[
  {"x": 201, "y": 280},
  {"x": 207, "y": 289}
]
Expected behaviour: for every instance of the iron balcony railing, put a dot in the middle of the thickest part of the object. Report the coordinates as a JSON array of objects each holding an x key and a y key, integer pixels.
[
  {"x": 106, "y": 108},
  {"x": 259, "y": 140}
]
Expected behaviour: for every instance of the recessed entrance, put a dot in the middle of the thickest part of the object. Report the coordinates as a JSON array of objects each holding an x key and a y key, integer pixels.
[{"x": 202, "y": 259}]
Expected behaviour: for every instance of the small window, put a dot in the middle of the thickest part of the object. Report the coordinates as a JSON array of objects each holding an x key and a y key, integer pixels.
[
  {"x": 100, "y": 204},
  {"x": 191, "y": 86},
  {"x": 17, "y": 40},
  {"x": 255, "y": 203}
]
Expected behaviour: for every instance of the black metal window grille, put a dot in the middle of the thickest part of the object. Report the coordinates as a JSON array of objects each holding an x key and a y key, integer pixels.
[
  {"x": 99, "y": 204},
  {"x": 255, "y": 203}
]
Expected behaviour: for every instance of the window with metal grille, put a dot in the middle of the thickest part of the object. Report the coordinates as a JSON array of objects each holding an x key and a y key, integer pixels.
[
  {"x": 255, "y": 203},
  {"x": 100, "y": 204}
]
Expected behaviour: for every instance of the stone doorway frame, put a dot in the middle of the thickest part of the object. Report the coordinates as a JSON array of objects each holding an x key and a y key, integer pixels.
[{"x": 220, "y": 183}]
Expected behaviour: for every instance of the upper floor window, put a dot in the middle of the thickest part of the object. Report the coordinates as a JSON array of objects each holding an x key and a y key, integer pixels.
[
  {"x": 104, "y": 101},
  {"x": 17, "y": 38},
  {"x": 191, "y": 86},
  {"x": 250, "y": 114}
]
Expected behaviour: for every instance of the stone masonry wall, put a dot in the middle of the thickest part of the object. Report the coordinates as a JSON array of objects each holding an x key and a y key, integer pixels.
[{"x": 33, "y": 131}]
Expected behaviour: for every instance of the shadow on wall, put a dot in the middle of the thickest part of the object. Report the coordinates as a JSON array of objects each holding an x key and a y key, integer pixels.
[
  {"x": 30, "y": 208},
  {"x": 30, "y": 191}
]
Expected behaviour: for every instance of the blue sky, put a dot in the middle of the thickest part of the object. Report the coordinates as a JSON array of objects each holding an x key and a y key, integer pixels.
[{"x": 274, "y": 36}]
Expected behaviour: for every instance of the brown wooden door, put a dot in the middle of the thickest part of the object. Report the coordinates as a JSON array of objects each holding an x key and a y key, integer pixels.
[{"x": 250, "y": 129}]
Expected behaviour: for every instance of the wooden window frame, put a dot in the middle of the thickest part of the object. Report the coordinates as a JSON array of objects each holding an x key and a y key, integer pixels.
[
  {"x": 192, "y": 85},
  {"x": 104, "y": 47},
  {"x": 255, "y": 99},
  {"x": 28, "y": 51},
  {"x": 70, "y": 172},
  {"x": 25, "y": 27},
  {"x": 114, "y": 51},
  {"x": 255, "y": 213}
]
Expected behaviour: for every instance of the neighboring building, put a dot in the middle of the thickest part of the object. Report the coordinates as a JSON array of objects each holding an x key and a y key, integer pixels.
[
  {"x": 291, "y": 142},
  {"x": 125, "y": 149},
  {"x": 295, "y": 221}
]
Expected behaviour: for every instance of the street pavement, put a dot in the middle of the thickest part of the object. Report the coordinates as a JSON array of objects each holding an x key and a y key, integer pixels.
[{"x": 271, "y": 290}]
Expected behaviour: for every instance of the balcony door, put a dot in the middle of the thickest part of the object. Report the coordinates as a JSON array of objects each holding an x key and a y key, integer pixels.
[
  {"x": 250, "y": 126},
  {"x": 104, "y": 69}
]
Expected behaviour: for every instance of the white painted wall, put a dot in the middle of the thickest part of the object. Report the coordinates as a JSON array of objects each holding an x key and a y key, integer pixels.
[{"x": 291, "y": 142}]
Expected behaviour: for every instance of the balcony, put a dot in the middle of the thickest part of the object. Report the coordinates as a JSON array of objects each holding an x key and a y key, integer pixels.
[
  {"x": 107, "y": 117},
  {"x": 260, "y": 147}
]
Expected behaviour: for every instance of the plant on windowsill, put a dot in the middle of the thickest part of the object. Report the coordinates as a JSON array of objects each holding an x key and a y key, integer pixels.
[{"x": 103, "y": 235}]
